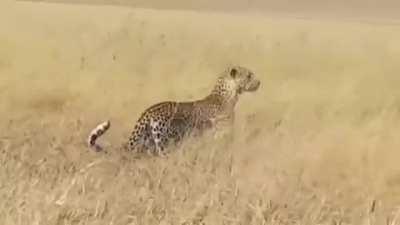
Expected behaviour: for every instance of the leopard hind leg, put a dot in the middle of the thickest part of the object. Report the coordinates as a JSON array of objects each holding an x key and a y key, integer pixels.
[
  {"x": 159, "y": 135},
  {"x": 141, "y": 140}
]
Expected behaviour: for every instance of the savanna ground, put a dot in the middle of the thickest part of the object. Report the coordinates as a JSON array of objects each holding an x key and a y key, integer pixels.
[{"x": 317, "y": 144}]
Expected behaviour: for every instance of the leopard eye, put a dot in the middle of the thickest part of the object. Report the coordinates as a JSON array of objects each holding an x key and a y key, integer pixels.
[{"x": 249, "y": 76}]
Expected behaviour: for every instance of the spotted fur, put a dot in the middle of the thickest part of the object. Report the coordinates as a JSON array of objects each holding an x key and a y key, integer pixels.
[{"x": 170, "y": 122}]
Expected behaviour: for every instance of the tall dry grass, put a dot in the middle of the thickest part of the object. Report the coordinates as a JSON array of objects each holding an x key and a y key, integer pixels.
[{"x": 317, "y": 144}]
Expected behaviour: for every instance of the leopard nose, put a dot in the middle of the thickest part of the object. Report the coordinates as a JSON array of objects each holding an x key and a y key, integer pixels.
[
  {"x": 253, "y": 86},
  {"x": 258, "y": 84}
]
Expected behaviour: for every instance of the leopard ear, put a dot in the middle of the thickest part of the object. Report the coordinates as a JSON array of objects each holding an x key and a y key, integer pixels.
[{"x": 233, "y": 72}]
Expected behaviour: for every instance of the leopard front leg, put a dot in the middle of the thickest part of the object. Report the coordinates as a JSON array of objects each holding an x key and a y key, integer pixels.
[{"x": 223, "y": 130}]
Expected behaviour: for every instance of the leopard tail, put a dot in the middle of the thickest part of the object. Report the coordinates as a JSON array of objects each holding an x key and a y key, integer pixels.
[{"x": 96, "y": 133}]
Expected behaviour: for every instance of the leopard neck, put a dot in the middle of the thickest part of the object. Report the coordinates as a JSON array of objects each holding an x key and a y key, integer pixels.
[{"x": 223, "y": 95}]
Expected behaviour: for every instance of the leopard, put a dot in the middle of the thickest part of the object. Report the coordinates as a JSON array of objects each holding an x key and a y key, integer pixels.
[{"x": 169, "y": 123}]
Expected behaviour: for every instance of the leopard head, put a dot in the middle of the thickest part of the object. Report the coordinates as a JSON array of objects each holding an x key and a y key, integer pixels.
[{"x": 236, "y": 80}]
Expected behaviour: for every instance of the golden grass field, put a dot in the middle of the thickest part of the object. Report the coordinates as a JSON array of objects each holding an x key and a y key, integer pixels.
[{"x": 317, "y": 144}]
